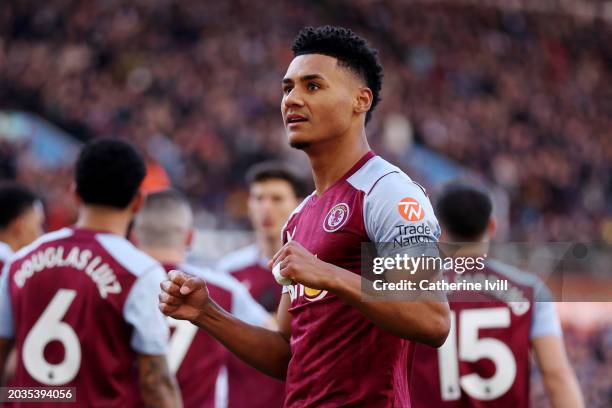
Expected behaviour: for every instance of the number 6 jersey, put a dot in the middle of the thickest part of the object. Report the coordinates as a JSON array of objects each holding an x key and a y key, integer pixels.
[{"x": 81, "y": 305}]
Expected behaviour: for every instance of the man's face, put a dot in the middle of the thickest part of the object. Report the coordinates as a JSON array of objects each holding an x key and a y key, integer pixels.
[
  {"x": 318, "y": 99},
  {"x": 30, "y": 224},
  {"x": 270, "y": 204}
]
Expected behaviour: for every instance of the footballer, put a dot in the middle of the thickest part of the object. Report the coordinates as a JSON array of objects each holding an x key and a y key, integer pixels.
[{"x": 332, "y": 348}]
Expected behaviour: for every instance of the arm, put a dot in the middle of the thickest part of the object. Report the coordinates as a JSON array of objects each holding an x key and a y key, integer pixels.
[
  {"x": 559, "y": 379},
  {"x": 424, "y": 321},
  {"x": 5, "y": 349},
  {"x": 157, "y": 386},
  {"x": 186, "y": 297}
]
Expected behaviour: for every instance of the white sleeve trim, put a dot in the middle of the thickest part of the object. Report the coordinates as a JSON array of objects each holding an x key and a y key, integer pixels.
[{"x": 141, "y": 311}]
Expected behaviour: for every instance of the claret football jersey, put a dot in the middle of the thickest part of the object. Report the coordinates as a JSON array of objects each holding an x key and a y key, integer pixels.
[
  {"x": 485, "y": 359},
  {"x": 81, "y": 305},
  {"x": 339, "y": 357},
  {"x": 197, "y": 359}
]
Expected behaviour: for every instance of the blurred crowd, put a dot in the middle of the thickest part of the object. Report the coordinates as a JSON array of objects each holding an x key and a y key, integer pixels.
[{"x": 523, "y": 99}]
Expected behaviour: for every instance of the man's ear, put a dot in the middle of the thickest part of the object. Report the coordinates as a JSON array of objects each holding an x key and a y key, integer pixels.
[
  {"x": 75, "y": 195},
  {"x": 137, "y": 202},
  {"x": 190, "y": 237},
  {"x": 363, "y": 100},
  {"x": 491, "y": 227}
]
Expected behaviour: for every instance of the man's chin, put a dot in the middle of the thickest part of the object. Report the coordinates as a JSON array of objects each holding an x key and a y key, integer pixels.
[{"x": 300, "y": 144}]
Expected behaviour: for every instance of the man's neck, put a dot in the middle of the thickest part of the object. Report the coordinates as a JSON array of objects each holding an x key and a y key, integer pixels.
[
  {"x": 267, "y": 246},
  {"x": 6, "y": 238},
  {"x": 333, "y": 159},
  {"x": 99, "y": 218},
  {"x": 167, "y": 256}
]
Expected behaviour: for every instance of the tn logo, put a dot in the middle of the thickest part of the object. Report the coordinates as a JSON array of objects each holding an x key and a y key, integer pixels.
[{"x": 410, "y": 209}]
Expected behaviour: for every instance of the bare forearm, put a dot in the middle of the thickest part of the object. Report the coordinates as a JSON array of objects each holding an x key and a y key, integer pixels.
[
  {"x": 563, "y": 391},
  {"x": 5, "y": 349},
  {"x": 559, "y": 378},
  {"x": 157, "y": 387},
  {"x": 421, "y": 321},
  {"x": 266, "y": 350}
]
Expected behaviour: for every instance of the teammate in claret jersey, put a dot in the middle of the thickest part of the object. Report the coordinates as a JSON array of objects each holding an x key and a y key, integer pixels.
[
  {"x": 163, "y": 229},
  {"x": 274, "y": 192},
  {"x": 333, "y": 348},
  {"x": 21, "y": 222},
  {"x": 21, "y": 219},
  {"x": 485, "y": 360},
  {"x": 80, "y": 302}
]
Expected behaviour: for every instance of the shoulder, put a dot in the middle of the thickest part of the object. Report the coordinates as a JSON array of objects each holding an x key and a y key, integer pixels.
[
  {"x": 5, "y": 252},
  {"x": 375, "y": 171},
  {"x": 127, "y": 255},
  {"x": 515, "y": 275},
  {"x": 239, "y": 259},
  {"x": 44, "y": 239}
]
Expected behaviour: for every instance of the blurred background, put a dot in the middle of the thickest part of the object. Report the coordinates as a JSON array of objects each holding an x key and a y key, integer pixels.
[{"x": 515, "y": 94}]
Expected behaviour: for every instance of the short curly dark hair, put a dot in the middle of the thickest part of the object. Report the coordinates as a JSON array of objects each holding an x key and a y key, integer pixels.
[
  {"x": 349, "y": 49},
  {"x": 15, "y": 200},
  {"x": 109, "y": 173}
]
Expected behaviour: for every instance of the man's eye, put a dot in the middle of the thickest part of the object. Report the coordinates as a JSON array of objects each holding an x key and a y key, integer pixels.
[
  {"x": 313, "y": 87},
  {"x": 287, "y": 89}
]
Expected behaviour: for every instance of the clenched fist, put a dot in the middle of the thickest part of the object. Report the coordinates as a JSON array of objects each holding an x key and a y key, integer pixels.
[
  {"x": 300, "y": 265},
  {"x": 183, "y": 296}
]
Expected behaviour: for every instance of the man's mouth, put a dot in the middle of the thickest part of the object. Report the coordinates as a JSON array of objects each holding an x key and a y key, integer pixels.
[{"x": 294, "y": 118}]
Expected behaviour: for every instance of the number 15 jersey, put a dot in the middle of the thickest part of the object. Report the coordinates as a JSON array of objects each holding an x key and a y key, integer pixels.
[
  {"x": 81, "y": 305},
  {"x": 485, "y": 359}
]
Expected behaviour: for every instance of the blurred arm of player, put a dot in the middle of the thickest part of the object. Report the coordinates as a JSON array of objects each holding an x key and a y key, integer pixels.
[
  {"x": 559, "y": 379},
  {"x": 7, "y": 331},
  {"x": 424, "y": 321},
  {"x": 185, "y": 297},
  {"x": 6, "y": 346},
  {"x": 157, "y": 386}
]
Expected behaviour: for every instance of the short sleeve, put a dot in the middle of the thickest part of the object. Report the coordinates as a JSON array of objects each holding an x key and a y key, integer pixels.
[
  {"x": 141, "y": 311},
  {"x": 245, "y": 308},
  {"x": 7, "y": 329},
  {"x": 397, "y": 212},
  {"x": 545, "y": 320}
]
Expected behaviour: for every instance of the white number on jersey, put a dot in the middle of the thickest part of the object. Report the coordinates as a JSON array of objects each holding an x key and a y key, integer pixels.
[
  {"x": 180, "y": 341},
  {"x": 471, "y": 349},
  {"x": 48, "y": 328}
]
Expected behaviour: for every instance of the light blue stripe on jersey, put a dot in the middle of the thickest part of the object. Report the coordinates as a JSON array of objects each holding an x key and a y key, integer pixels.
[
  {"x": 142, "y": 312},
  {"x": 7, "y": 328},
  {"x": 545, "y": 321}
]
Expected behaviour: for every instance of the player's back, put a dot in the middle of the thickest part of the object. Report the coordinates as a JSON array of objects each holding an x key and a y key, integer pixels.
[
  {"x": 485, "y": 359},
  {"x": 197, "y": 358},
  {"x": 79, "y": 302}
]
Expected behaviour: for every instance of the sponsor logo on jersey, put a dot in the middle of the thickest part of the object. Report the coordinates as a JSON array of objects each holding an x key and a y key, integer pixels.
[
  {"x": 410, "y": 209},
  {"x": 311, "y": 295},
  {"x": 336, "y": 217},
  {"x": 407, "y": 235}
]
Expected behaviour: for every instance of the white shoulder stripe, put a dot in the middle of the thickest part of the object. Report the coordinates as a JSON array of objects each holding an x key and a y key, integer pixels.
[
  {"x": 131, "y": 258},
  {"x": 51, "y": 236},
  {"x": 514, "y": 274},
  {"x": 5, "y": 252},
  {"x": 366, "y": 177}
]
